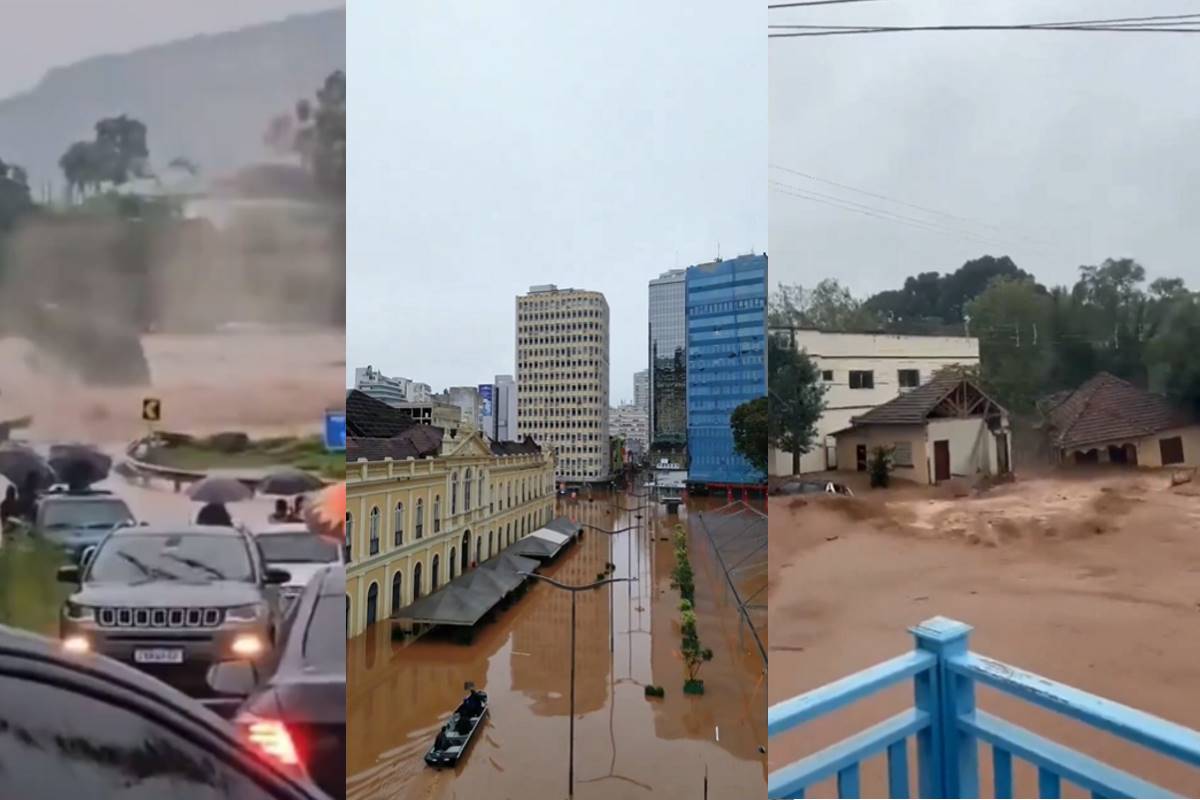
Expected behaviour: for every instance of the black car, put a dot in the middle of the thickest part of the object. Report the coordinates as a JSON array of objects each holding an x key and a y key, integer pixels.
[
  {"x": 91, "y": 727},
  {"x": 173, "y": 601},
  {"x": 294, "y": 707}
]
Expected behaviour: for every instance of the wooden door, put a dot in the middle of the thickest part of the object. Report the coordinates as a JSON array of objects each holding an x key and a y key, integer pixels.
[
  {"x": 941, "y": 460},
  {"x": 860, "y": 457},
  {"x": 1002, "y": 452}
]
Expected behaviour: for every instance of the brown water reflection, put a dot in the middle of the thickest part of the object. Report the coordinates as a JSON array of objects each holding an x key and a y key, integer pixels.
[{"x": 627, "y": 637}]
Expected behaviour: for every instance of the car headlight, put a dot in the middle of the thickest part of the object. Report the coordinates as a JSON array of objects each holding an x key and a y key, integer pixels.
[
  {"x": 78, "y": 613},
  {"x": 247, "y": 613}
]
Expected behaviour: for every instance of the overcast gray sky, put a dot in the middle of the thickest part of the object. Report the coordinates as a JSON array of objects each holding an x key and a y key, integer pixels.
[
  {"x": 498, "y": 145},
  {"x": 1083, "y": 141},
  {"x": 42, "y": 34}
]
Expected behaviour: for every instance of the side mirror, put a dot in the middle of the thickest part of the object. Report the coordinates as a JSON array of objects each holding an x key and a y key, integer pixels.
[
  {"x": 274, "y": 576},
  {"x": 232, "y": 678},
  {"x": 88, "y": 554},
  {"x": 68, "y": 573}
]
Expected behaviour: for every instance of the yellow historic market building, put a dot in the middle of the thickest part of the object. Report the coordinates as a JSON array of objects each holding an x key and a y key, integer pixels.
[{"x": 450, "y": 502}]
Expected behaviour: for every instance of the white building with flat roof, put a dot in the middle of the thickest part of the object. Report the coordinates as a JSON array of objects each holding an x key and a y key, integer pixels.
[{"x": 862, "y": 371}]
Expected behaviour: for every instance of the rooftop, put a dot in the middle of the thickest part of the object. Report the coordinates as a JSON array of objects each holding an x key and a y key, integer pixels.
[{"x": 1106, "y": 408}]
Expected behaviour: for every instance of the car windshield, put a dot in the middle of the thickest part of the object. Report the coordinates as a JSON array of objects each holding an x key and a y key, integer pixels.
[
  {"x": 190, "y": 557},
  {"x": 308, "y": 548},
  {"x": 99, "y": 513}
]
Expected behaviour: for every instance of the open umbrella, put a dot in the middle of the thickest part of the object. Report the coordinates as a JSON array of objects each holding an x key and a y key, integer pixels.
[
  {"x": 326, "y": 515},
  {"x": 288, "y": 482},
  {"x": 19, "y": 464},
  {"x": 79, "y": 465},
  {"x": 219, "y": 490}
]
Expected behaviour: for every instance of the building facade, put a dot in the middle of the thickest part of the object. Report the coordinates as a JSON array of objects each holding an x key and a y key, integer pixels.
[
  {"x": 667, "y": 386},
  {"x": 629, "y": 422},
  {"x": 641, "y": 391},
  {"x": 726, "y": 363},
  {"x": 499, "y": 413},
  {"x": 374, "y": 383},
  {"x": 412, "y": 525},
  {"x": 861, "y": 371},
  {"x": 469, "y": 402},
  {"x": 562, "y": 378}
]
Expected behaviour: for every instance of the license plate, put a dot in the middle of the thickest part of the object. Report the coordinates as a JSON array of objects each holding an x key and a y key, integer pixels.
[{"x": 158, "y": 655}]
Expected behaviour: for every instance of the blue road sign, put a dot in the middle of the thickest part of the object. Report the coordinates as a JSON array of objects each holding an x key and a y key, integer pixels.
[{"x": 335, "y": 431}]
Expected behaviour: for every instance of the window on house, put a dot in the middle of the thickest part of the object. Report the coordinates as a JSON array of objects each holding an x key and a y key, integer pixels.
[
  {"x": 419, "y": 522},
  {"x": 862, "y": 379},
  {"x": 374, "y": 530},
  {"x": 909, "y": 378},
  {"x": 827, "y": 375},
  {"x": 399, "y": 524},
  {"x": 1172, "y": 450},
  {"x": 902, "y": 455},
  {"x": 437, "y": 513}
]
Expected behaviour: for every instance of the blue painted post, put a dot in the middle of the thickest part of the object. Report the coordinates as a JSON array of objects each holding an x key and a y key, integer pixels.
[
  {"x": 946, "y": 638},
  {"x": 929, "y": 741}
]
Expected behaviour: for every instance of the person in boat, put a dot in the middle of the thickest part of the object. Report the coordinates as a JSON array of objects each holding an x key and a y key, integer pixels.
[
  {"x": 282, "y": 512},
  {"x": 297, "y": 512},
  {"x": 473, "y": 706},
  {"x": 214, "y": 514},
  {"x": 442, "y": 742}
]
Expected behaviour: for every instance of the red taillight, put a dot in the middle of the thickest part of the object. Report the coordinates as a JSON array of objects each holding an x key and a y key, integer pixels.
[{"x": 271, "y": 737}]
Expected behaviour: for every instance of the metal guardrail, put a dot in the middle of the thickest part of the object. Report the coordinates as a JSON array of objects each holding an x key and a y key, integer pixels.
[{"x": 948, "y": 728}]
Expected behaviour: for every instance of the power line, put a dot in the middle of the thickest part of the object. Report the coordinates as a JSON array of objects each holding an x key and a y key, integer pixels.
[
  {"x": 816, "y": 3},
  {"x": 826, "y": 31},
  {"x": 1122, "y": 22},
  {"x": 914, "y": 206}
]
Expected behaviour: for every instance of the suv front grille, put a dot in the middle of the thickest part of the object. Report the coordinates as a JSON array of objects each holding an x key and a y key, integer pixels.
[{"x": 122, "y": 617}]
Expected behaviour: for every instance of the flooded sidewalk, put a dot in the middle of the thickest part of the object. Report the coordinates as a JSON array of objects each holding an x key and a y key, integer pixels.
[{"x": 628, "y": 637}]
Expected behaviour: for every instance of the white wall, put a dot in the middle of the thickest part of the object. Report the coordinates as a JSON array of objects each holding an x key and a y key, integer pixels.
[
  {"x": 1149, "y": 450},
  {"x": 888, "y": 436},
  {"x": 882, "y": 354},
  {"x": 972, "y": 446}
]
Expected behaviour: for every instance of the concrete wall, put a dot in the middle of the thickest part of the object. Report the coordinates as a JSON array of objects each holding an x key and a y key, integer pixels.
[
  {"x": 972, "y": 446},
  {"x": 882, "y": 355},
  {"x": 887, "y": 435},
  {"x": 1149, "y": 450}
]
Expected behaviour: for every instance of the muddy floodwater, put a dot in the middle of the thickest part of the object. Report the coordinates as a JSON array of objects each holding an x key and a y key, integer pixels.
[
  {"x": 1092, "y": 580},
  {"x": 626, "y": 746},
  {"x": 258, "y": 380}
]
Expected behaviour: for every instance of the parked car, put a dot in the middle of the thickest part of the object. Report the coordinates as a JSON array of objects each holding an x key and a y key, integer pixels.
[
  {"x": 293, "y": 705},
  {"x": 87, "y": 726},
  {"x": 298, "y": 550},
  {"x": 815, "y": 487},
  {"x": 173, "y": 600},
  {"x": 77, "y": 520}
]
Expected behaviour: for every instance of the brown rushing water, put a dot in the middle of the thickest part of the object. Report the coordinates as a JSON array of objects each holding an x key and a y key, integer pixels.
[
  {"x": 625, "y": 744},
  {"x": 1091, "y": 579},
  {"x": 256, "y": 381}
]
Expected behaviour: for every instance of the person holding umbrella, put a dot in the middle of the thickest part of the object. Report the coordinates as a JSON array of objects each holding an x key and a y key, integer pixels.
[{"x": 216, "y": 493}]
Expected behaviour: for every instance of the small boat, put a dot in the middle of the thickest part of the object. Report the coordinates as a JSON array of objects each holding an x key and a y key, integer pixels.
[{"x": 456, "y": 735}]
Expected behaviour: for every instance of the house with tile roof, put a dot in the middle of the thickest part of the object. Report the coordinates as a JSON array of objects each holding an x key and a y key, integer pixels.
[
  {"x": 945, "y": 428},
  {"x": 1109, "y": 420}
]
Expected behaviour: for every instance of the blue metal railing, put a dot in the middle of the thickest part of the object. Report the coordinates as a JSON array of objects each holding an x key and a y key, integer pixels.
[{"x": 948, "y": 728}]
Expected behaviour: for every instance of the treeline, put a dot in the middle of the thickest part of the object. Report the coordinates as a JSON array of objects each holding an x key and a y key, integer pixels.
[
  {"x": 1034, "y": 339},
  {"x": 109, "y": 232}
]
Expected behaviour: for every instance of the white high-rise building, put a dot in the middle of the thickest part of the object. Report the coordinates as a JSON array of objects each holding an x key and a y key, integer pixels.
[
  {"x": 562, "y": 378},
  {"x": 374, "y": 383},
  {"x": 641, "y": 391},
  {"x": 498, "y": 418}
]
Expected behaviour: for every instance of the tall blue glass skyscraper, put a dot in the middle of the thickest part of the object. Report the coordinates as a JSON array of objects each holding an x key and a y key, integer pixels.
[{"x": 726, "y": 303}]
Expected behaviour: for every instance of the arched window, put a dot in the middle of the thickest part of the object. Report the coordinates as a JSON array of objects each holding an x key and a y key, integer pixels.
[
  {"x": 372, "y": 603},
  {"x": 467, "y": 490},
  {"x": 397, "y": 599},
  {"x": 398, "y": 524},
  {"x": 419, "y": 522},
  {"x": 450, "y": 565},
  {"x": 437, "y": 513},
  {"x": 509, "y": 485},
  {"x": 480, "y": 487},
  {"x": 453, "y": 493},
  {"x": 374, "y": 530},
  {"x": 466, "y": 549},
  {"x": 349, "y": 535},
  {"x": 479, "y": 549},
  {"x": 491, "y": 545},
  {"x": 433, "y": 574},
  {"x": 417, "y": 582}
]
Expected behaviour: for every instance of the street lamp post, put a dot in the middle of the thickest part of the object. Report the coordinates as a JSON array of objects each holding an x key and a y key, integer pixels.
[{"x": 574, "y": 590}]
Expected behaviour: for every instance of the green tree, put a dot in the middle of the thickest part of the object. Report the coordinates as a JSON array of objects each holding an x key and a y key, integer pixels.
[
  {"x": 321, "y": 139},
  {"x": 796, "y": 399},
  {"x": 828, "y": 306},
  {"x": 750, "y": 423},
  {"x": 1012, "y": 319}
]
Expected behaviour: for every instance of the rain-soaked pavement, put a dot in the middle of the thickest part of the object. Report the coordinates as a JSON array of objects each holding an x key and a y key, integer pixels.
[{"x": 626, "y": 746}]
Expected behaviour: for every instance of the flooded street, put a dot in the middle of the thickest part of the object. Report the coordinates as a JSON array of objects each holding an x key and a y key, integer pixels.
[
  {"x": 627, "y": 638},
  {"x": 1091, "y": 580},
  {"x": 277, "y": 381}
]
